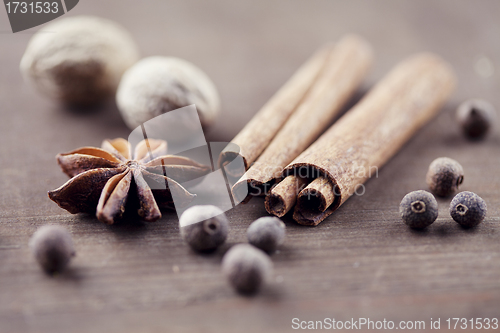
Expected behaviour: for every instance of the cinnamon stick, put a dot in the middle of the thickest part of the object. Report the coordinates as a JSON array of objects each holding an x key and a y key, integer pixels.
[
  {"x": 346, "y": 67},
  {"x": 367, "y": 136},
  {"x": 251, "y": 141},
  {"x": 282, "y": 198}
]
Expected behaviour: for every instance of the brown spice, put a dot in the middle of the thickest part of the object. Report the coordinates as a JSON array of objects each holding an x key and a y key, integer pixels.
[
  {"x": 444, "y": 176},
  {"x": 476, "y": 117},
  {"x": 342, "y": 74},
  {"x": 103, "y": 179},
  {"x": 251, "y": 141},
  {"x": 283, "y": 196},
  {"x": 369, "y": 135}
]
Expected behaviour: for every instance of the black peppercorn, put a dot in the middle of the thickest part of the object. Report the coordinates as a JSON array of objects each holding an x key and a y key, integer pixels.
[
  {"x": 475, "y": 117},
  {"x": 204, "y": 227},
  {"x": 468, "y": 209},
  {"x": 444, "y": 176},
  {"x": 246, "y": 267},
  {"x": 52, "y": 247},
  {"x": 266, "y": 233},
  {"x": 418, "y": 209}
]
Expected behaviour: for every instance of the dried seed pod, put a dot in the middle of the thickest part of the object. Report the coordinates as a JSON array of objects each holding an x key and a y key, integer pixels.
[
  {"x": 266, "y": 233},
  {"x": 81, "y": 60},
  {"x": 475, "y": 117},
  {"x": 418, "y": 209},
  {"x": 156, "y": 85},
  {"x": 52, "y": 247},
  {"x": 104, "y": 181},
  {"x": 468, "y": 209},
  {"x": 444, "y": 176},
  {"x": 204, "y": 227},
  {"x": 246, "y": 267}
]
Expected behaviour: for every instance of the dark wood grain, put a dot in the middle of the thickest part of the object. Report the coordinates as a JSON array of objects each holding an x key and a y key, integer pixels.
[{"x": 360, "y": 262}]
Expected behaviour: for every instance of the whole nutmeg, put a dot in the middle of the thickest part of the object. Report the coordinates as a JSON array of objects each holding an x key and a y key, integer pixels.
[
  {"x": 266, "y": 233},
  {"x": 444, "y": 176},
  {"x": 79, "y": 60},
  {"x": 246, "y": 268},
  {"x": 156, "y": 85},
  {"x": 468, "y": 209},
  {"x": 418, "y": 209},
  {"x": 475, "y": 117},
  {"x": 52, "y": 247},
  {"x": 204, "y": 227}
]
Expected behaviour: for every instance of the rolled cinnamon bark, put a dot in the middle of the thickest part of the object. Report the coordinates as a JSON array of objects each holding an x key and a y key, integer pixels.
[
  {"x": 366, "y": 137},
  {"x": 346, "y": 67},
  {"x": 282, "y": 198},
  {"x": 251, "y": 141}
]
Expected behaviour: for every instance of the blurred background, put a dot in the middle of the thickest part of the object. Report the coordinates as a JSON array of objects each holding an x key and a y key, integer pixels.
[{"x": 250, "y": 48}]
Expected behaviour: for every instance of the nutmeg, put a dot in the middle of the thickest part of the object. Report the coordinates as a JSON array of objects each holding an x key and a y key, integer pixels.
[
  {"x": 79, "y": 60},
  {"x": 156, "y": 85}
]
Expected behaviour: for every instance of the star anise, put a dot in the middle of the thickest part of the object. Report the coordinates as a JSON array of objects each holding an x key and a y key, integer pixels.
[{"x": 106, "y": 181}]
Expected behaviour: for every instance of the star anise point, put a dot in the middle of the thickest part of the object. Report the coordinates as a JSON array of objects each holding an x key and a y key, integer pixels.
[{"x": 102, "y": 179}]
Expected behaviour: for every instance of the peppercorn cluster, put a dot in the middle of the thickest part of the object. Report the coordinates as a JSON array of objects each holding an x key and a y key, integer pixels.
[
  {"x": 419, "y": 209},
  {"x": 246, "y": 266}
]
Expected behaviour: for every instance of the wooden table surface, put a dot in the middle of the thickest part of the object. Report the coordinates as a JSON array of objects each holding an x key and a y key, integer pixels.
[{"x": 360, "y": 262}]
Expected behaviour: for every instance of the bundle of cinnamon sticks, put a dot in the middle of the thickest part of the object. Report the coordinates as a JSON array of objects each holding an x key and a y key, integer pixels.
[{"x": 286, "y": 164}]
